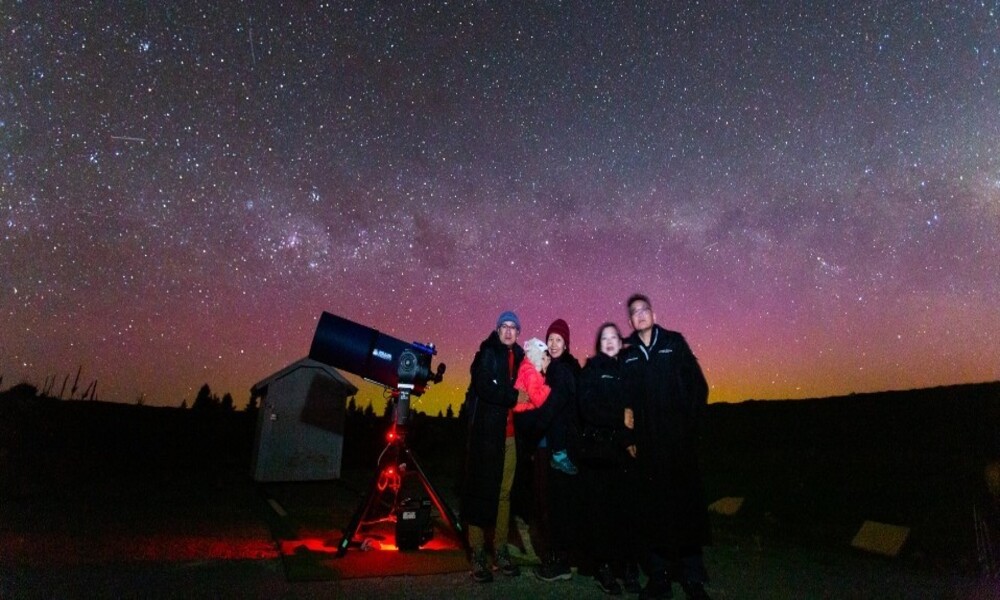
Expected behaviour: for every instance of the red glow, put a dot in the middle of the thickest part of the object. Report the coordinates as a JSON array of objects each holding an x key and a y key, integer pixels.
[
  {"x": 387, "y": 543},
  {"x": 390, "y": 479},
  {"x": 60, "y": 549}
]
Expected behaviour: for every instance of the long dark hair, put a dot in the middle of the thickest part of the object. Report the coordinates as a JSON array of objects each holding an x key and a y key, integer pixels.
[{"x": 600, "y": 330}]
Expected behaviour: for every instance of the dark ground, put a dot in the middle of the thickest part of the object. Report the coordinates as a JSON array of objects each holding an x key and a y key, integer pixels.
[{"x": 108, "y": 500}]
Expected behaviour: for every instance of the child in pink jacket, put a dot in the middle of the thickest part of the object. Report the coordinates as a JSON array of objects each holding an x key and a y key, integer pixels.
[{"x": 529, "y": 375}]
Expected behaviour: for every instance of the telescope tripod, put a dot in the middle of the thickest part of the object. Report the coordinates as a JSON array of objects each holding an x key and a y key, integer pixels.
[{"x": 395, "y": 463}]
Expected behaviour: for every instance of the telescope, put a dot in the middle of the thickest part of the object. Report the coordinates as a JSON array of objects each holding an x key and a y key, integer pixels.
[
  {"x": 375, "y": 356},
  {"x": 406, "y": 369}
]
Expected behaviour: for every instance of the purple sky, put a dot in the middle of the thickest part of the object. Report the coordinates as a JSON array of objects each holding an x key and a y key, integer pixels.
[{"x": 810, "y": 194}]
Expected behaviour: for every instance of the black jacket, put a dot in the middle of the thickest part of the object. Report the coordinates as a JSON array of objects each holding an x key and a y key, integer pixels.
[
  {"x": 570, "y": 361},
  {"x": 602, "y": 401},
  {"x": 490, "y": 398},
  {"x": 668, "y": 394}
]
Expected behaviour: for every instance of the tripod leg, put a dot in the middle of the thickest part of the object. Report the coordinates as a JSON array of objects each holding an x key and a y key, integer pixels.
[
  {"x": 363, "y": 509},
  {"x": 439, "y": 503}
]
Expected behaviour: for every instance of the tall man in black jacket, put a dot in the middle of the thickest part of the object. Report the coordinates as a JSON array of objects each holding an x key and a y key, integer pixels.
[{"x": 668, "y": 395}]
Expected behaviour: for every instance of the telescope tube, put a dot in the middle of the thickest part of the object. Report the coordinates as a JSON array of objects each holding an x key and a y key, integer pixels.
[{"x": 357, "y": 349}]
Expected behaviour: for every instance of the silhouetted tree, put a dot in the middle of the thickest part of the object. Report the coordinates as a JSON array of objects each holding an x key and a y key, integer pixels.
[
  {"x": 449, "y": 413},
  {"x": 227, "y": 402},
  {"x": 184, "y": 404},
  {"x": 369, "y": 411},
  {"x": 352, "y": 406},
  {"x": 205, "y": 400}
]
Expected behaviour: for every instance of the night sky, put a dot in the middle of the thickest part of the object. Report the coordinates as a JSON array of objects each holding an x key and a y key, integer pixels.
[{"x": 810, "y": 193}]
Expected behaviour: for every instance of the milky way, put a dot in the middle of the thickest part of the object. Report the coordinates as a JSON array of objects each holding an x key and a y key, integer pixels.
[{"x": 811, "y": 194}]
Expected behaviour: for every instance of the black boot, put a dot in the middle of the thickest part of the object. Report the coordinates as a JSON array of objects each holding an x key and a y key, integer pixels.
[
  {"x": 554, "y": 568},
  {"x": 630, "y": 579},
  {"x": 505, "y": 564},
  {"x": 657, "y": 588},
  {"x": 695, "y": 590},
  {"x": 605, "y": 578},
  {"x": 480, "y": 570}
]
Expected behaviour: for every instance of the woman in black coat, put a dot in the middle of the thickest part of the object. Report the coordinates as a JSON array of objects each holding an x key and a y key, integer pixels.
[
  {"x": 607, "y": 473},
  {"x": 555, "y": 516}
]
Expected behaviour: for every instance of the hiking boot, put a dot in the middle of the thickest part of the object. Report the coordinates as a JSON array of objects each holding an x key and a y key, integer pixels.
[
  {"x": 560, "y": 461},
  {"x": 554, "y": 570},
  {"x": 657, "y": 588},
  {"x": 630, "y": 579},
  {"x": 480, "y": 569},
  {"x": 695, "y": 590},
  {"x": 505, "y": 565},
  {"x": 605, "y": 578}
]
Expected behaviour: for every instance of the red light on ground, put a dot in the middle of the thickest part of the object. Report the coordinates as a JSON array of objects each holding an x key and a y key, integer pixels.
[
  {"x": 435, "y": 543},
  {"x": 59, "y": 549}
]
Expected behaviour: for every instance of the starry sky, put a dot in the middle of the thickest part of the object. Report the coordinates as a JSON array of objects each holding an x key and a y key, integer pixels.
[{"x": 810, "y": 192}]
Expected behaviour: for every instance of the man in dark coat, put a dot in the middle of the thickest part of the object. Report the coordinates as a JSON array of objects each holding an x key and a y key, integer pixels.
[
  {"x": 668, "y": 395},
  {"x": 491, "y": 450}
]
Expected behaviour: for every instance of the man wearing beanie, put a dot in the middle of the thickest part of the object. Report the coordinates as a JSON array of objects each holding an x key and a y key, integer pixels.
[{"x": 491, "y": 451}]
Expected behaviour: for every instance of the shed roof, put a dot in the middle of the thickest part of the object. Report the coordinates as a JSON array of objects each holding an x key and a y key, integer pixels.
[{"x": 260, "y": 387}]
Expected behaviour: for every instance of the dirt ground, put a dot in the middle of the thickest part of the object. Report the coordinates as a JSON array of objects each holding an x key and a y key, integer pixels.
[
  {"x": 737, "y": 573},
  {"x": 197, "y": 538},
  {"x": 109, "y": 508}
]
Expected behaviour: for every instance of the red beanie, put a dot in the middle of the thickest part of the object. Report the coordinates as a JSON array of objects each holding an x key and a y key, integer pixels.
[{"x": 558, "y": 326}]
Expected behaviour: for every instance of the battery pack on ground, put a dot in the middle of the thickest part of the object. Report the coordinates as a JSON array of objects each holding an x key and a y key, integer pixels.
[{"x": 413, "y": 523}]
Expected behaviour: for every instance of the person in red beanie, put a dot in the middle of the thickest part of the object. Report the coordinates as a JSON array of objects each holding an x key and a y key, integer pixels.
[
  {"x": 554, "y": 488},
  {"x": 556, "y": 437}
]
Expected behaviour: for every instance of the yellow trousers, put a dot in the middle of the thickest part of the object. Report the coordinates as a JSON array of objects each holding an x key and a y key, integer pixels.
[{"x": 477, "y": 536}]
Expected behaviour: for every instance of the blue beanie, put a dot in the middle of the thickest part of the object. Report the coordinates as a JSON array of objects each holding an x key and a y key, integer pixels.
[{"x": 508, "y": 315}]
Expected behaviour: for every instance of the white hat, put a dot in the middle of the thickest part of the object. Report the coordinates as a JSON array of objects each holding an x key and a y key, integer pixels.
[{"x": 534, "y": 350}]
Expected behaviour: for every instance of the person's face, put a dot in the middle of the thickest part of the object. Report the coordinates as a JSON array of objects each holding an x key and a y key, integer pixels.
[
  {"x": 508, "y": 333},
  {"x": 611, "y": 342},
  {"x": 546, "y": 361},
  {"x": 556, "y": 344},
  {"x": 641, "y": 316}
]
